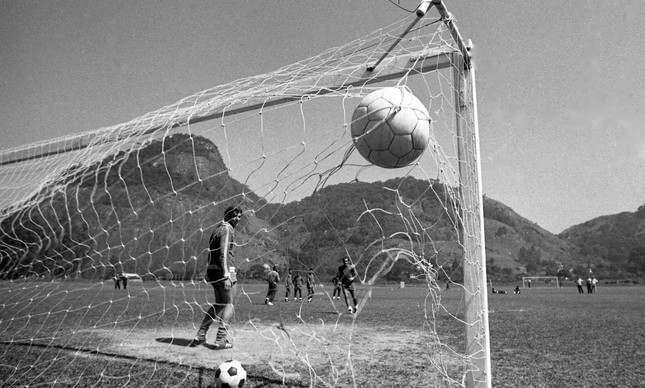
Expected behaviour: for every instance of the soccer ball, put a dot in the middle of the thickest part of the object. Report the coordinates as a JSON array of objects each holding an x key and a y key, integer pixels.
[
  {"x": 391, "y": 127},
  {"x": 230, "y": 374}
]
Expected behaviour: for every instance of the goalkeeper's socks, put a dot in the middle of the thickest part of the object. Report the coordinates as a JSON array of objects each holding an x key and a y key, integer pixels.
[{"x": 221, "y": 335}]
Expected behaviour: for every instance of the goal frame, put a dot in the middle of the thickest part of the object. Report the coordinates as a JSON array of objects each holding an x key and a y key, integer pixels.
[
  {"x": 472, "y": 238},
  {"x": 535, "y": 281}
]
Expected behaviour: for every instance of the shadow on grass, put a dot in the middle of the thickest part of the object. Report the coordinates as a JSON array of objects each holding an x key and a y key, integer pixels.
[
  {"x": 175, "y": 341},
  {"x": 185, "y": 342}
]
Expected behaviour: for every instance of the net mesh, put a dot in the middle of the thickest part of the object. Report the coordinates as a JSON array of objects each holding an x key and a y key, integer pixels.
[{"x": 104, "y": 234}]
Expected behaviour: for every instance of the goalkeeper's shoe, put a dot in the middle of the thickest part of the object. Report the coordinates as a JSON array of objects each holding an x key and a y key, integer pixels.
[
  {"x": 197, "y": 341},
  {"x": 223, "y": 345}
]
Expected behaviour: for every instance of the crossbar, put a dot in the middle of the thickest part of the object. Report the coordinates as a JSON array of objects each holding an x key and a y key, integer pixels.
[{"x": 333, "y": 81}]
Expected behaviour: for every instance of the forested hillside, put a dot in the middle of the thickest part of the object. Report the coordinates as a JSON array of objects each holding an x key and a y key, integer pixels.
[
  {"x": 613, "y": 245},
  {"x": 151, "y": 212}
]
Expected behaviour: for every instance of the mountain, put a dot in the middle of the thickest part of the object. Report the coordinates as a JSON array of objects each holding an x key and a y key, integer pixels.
[
  {"x": 516, "y": 245},
  {"x": 325, "y": 225},
  {"x": 152, "y": 211},
  {"x": 149, "y": 212},
  {"x": 612, "y": 244},
  {"x": 362, "y": 219}
]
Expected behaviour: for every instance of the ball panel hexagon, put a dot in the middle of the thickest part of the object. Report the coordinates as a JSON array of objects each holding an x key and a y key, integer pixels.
[
  {"x": 400, "y": 145},
  {"x": 378, "y": 135},
  {"x": 384, "y": 159}
]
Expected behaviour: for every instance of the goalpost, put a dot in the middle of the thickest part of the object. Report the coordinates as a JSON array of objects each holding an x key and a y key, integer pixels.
[
  {"x": 142, "y": 198},
  {"x": 540, "y": 282}
]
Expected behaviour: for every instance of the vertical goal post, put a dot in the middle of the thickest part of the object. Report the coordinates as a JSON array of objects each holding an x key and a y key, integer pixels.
[
  {"x": 477, "y": 373},
  {"x": 473, "y": 237}
]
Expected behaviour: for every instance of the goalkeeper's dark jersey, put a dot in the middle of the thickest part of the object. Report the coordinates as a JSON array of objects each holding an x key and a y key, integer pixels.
[{"x": 223, "y": 235}]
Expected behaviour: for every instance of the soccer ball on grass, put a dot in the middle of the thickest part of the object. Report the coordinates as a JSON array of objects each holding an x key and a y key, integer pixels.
[
  {"x": 230, "y": 374},
  {"x": 391, "y": 127}
]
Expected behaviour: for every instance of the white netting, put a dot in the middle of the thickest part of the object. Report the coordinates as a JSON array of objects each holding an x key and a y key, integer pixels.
[{"x": 142, "y": 197}]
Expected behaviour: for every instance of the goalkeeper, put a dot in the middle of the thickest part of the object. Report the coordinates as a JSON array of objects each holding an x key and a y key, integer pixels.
[{"x": 220, "y": 273}]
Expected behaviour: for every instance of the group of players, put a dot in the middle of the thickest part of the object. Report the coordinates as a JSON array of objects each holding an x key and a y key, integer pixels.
[
  {"x": 221, "y": 275},
  {"x": 343, "y": 283}
]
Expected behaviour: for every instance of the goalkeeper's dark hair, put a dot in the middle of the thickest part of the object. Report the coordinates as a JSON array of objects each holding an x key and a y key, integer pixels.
[{"x": 231, "y": 212}]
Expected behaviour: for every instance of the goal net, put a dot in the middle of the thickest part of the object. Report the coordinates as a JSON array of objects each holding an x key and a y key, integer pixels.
[
  {"x": 540, "y": 282},
  {"x": 104, "y": 234}
]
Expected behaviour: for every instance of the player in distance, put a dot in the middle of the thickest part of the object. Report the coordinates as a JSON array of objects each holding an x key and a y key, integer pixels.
[{"x": 347, "y": 274}]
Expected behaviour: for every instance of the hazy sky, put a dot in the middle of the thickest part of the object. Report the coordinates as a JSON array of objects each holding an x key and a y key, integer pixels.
[{"x": 561, "y": 84}]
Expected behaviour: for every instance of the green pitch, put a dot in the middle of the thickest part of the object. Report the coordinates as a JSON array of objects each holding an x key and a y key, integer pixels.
[{"x": 90, "y": 334}]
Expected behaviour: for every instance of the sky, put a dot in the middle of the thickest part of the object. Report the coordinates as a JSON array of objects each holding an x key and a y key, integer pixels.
[{"x": 560, "y": 85}]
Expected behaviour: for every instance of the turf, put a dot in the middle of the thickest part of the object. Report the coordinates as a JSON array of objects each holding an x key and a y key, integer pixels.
[
  {"x": 557, "y": 337},
  {"x": 87, "y": 334}
]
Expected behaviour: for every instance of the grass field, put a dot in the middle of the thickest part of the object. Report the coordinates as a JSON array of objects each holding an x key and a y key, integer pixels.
[{"x": 83, "y": 334}]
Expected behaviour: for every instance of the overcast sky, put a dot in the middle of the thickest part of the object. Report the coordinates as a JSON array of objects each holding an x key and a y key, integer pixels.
[{"x": 561, "y": 85}]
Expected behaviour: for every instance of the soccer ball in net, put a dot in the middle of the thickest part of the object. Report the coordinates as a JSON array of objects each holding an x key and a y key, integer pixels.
[
  {"x": 391, "y": 127},
  {"x": 230, "y": 374}
]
